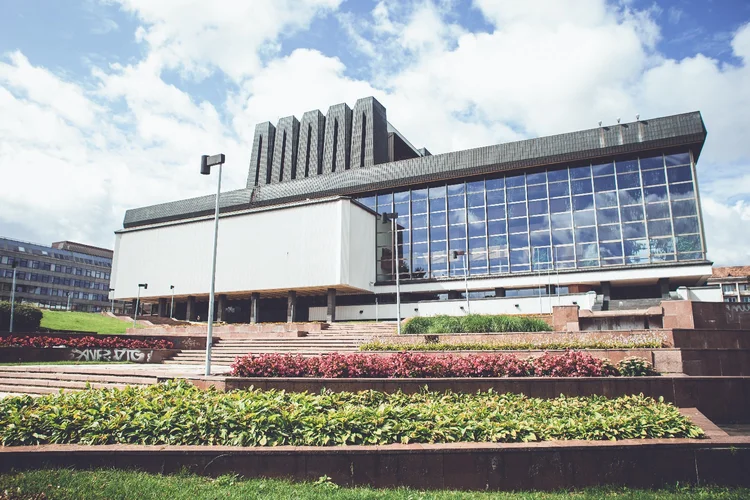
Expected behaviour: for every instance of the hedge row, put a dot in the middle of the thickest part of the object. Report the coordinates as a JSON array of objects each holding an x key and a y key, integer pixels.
[
  {"x": 561, "y": 345},
  {"x": 410, "y": 365},
  {"x": 474, "y": 323},
  {"x": 178, "y": 413},
  {"x": 88, "y": 342},
  {"x": 26, "y": 318}
]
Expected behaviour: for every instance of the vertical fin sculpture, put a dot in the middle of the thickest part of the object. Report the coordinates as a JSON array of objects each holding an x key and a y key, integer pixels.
[
  {"x": 369, "y": 134},
  {"x": 285, "y": 150},
  {"x": 262, "y": 154},
  {"x": 337, "y": 139},
  {"x": 311, "y": 137}
]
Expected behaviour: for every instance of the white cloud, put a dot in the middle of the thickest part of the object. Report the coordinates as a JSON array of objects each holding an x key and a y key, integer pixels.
[{"x": 728, "y": 243}]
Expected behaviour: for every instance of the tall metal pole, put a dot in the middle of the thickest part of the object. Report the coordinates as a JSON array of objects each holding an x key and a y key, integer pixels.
[
  {"x": 376, "y": 309},
  {"x": 466, "y": 283},
  {"x": 171, "y": 308},
  {"x": 68, "y": 301},
  {"x": 135, "y": 311},
  {"x": 398, "y": 291},
  {"x": 209, "y": 334},
  {"x": 13, "y": 298}
]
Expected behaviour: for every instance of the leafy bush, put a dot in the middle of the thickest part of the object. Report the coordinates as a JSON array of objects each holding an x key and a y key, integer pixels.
[
  {"x": 177, "y": 413},
  {"x": 474, "y": 323},
  {"x": 635, "y": 367},
  {"x": 623, "y": 343},
  {"x": 407, "y": 364},
  {"x": 90, "y": 342},
  {"x": 26, "y": 318}
]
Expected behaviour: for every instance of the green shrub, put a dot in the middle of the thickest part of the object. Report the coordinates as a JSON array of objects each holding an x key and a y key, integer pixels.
[
  {"x": 26, "y": 318},
  {"x": 178, "y": 413},
  {"x": 474, "y": 323},
  {"x": 417, "y": 325},
  {"x": 634, "y": 366},
  {"x": 434, "y": 344},
  {"x": 445, "y": 324}
]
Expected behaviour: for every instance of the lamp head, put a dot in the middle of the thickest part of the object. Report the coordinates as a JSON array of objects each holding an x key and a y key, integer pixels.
[
  {"x": 143, "y": 285},
  {"x": 205, "y": 169}
]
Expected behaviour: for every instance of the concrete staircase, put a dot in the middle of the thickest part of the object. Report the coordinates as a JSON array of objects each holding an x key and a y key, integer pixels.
[
  {"x": 53, "y": 378},
  {"x": 337, "y": 337}
]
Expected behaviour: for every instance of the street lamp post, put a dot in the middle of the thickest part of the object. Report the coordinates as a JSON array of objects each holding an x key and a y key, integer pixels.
[
  {"x": 112, "y": 301},
  {"x": 171, "y": 308},
  {"x": 206, "y": 163},
  {"x": 137, "y": 301},
  {"x": 391, "y": 217},
  {"x": 456, "y": 253},
  {"x": 68, "y": 294},
  {"x": 13, "y": 295}
]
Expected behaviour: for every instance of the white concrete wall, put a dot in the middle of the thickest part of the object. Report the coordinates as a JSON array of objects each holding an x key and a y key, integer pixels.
[
  {"x": 498, "y": 305},
  {"x": 311, "y": 245},
  {"x": 701, "y": 293}
]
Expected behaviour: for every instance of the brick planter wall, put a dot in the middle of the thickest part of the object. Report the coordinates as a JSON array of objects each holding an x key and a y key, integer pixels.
[{"x": 36, "y": 354}]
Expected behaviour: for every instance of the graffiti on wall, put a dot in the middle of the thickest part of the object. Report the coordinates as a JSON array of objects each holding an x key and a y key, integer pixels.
[
  {"x": 737, "y": 313},
  {"x": 132, "y": 355}
]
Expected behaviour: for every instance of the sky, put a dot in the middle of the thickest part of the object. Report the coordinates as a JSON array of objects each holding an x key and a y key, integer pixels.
[{"x": 107, "y": 105}]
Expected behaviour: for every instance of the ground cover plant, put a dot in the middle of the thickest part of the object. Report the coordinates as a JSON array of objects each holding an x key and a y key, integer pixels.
[
  {"x": 474, "y": 323},
  {"x": 90, "y": 342},
  {"x": 178, "y": 413},
  {"x": 637, "y": 342},
  {"x": 26, "y": 318},
  {"x": 410, "y": 365},
  {"x": 133, "y": 485},
  {"x": 83, "y": 322}
]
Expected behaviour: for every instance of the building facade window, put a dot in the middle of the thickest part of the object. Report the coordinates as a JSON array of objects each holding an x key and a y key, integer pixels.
[{"x": 635, "y": 211}]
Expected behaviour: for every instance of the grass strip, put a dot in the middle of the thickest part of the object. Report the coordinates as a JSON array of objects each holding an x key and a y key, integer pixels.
[
  {"x": 640, "y": 343},
  {"x": 83, "y": 322},
  {"x": 131, "y": 485},
  {"x": 178, "y": 413}
]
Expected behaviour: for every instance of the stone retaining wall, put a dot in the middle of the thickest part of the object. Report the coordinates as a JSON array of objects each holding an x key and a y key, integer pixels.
[
  {"x": 488, "y": 338},
  {"x": 248, "y": 330},
  {"x": 179, "y": 341},
  {"x": 37, "y": 354}
]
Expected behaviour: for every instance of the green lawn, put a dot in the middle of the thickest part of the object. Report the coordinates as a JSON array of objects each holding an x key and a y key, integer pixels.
[
  {"x": 83, "y": 322},
  {"x": 108, "y": 484}
]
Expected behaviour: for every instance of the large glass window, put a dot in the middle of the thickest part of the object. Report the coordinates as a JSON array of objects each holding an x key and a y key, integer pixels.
[{"x": 630, "y": 211}]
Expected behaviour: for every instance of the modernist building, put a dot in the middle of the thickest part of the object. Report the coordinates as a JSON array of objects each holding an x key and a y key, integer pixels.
[
  {"x": 584, "y": 217},
  {"x": 734, "y": 282},
  {"x": 59, "y": 276}
]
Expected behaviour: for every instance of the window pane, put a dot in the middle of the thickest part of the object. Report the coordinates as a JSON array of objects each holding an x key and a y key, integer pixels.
[
  {"x": 681, "y": 191},
  {"x": 635, "y": 230},
  {"x": 653, "y": 177},
  {"x": 661, "y": 246},
  {"x": 607, "y": 216},
  {"x": 538, "y": 223},
  {"x": 418, "y": 235},
  {"x": 581, "y": 186},
  {"x": 603, "y": 169},
  {"x": 494, "y": 184},
  {"x": 455, "y": 189},
  {"x": 610, "y": 250},
  {"x": 660, "y": 228},
  {"x": 477, "y": 229},
  {"x": 538, "y": 192},
  {"x": 419, "y": 207},
  {"x": 678, "y": 159},
  {"x": 655, "y": 194},
  {"x": 520, "y": 240},
  {"x": 476, "y": 214},
  {"x": 495, "y": 197},
  {"x": 652, "y": 163},
  {"x": 626, "y": 166},
  {"x": 516, "y": 194},
  {"x": 437, "y": 192},
  {"x": 496, "y": 212},
  {"x": 558, "y": 189},
  {"x": 539, "y": 239},
  {"x": 456, "y": 202},
  {"x": 686, "y": 225},
  {"x": 625, "y": 181},
  {"x": 636, "y": 248},
  {"x": 517, "y": 210},
  {"x": 587, "y": 252},
  {"x": 607, "y": 233},
  {"x": 439, "y": 233},
  {"x": 518, "y": 257},
  {"x": 456, "y": 216},
  {"x": 689, "y": 244},
  {"x": 475, "y": 187},
  {"x": 537, "y": 207},
  {"x": 561, "y": 221},
  {"x": 562, "y": 237},
  {"x": 631, "y": 214},
  {"x": 476, "y": 199},
  {"x": 401, "y": 196},
  {"x": 583, "y": 202},
  {"x": 683, "y": 208},
  {"x": 604, "y": 183},
  {"x": 536, "y": 178},
  {"x": 657, "y": 211},
  {"x": 518, "y": 225},
  {"x": 457, "y": 231},
  {"x": 497, "y": 227},
  {"x": 606, "y": 200},
  {"x": 630, "y": 197},
  {"x": 563, "y": 253},
  {"x": 580, "y": 172},
  {"x": 581, "y": 219},
  {"x": 586, "y": 234},
  {"x": 437, "y": 219},
  {"x": 559, "y": 205},
  {"x": 557, "y": 175},
  {"x": 680, "y": 174},
  {"x": 515, "y": 181}
]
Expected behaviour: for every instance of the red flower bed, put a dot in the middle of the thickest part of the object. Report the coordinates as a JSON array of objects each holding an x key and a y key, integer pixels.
[
  {"x": 89, "y": 342},
  {"x": 410, "y": 365}
]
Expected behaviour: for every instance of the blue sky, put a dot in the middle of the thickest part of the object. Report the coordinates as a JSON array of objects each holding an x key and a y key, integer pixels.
[{"x": 107, "y": 103}]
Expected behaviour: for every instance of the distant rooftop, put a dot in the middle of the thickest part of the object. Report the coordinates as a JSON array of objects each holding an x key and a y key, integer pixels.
[{"x": 731, "y": 272}]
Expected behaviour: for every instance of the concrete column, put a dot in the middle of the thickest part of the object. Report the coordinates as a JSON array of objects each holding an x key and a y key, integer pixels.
[
  {"x": 254, "y": 300},
  {"x": 132, "y": 307},
  {"x": 291, "y": 306},
  {"x": 221, "y": 305},
  {"x": 664, "y": 287},
  {"x": 190, "y": 312},
  {"x": 331, "y": 312},
  {"x": 499, "y": 292},
  {"x": 163, "y": 312}
]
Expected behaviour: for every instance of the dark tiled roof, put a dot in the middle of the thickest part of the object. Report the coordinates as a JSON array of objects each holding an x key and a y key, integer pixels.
[{"x": 677, "y": 130}]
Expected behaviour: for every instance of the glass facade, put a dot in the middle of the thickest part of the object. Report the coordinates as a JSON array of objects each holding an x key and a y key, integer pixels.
[{"x": 635, "y": 211}]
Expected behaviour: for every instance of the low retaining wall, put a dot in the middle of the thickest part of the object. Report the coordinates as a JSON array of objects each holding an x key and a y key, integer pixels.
[
  {"x": 721, "y": 399},
  {"x": 37, "y": 354},
  {"x": 178, "y": 341},
  {"x": 719, "y": 460}
]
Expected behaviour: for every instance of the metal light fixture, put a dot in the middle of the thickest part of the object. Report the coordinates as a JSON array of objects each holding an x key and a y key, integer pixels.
[
  {"x": 112, "y": 301},
  {"x": 14, "y": 265},
  {"x": 206, "y": 163},
  {"x": 137, "y": 301},
  {"x": 456, "y": 253},
  {"x": 171, "y": 308},
  {"x": 391, "y": 217}
]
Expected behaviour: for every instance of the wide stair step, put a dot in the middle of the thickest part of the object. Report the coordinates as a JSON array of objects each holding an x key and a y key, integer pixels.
[{"x": 51, "y": 379}]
